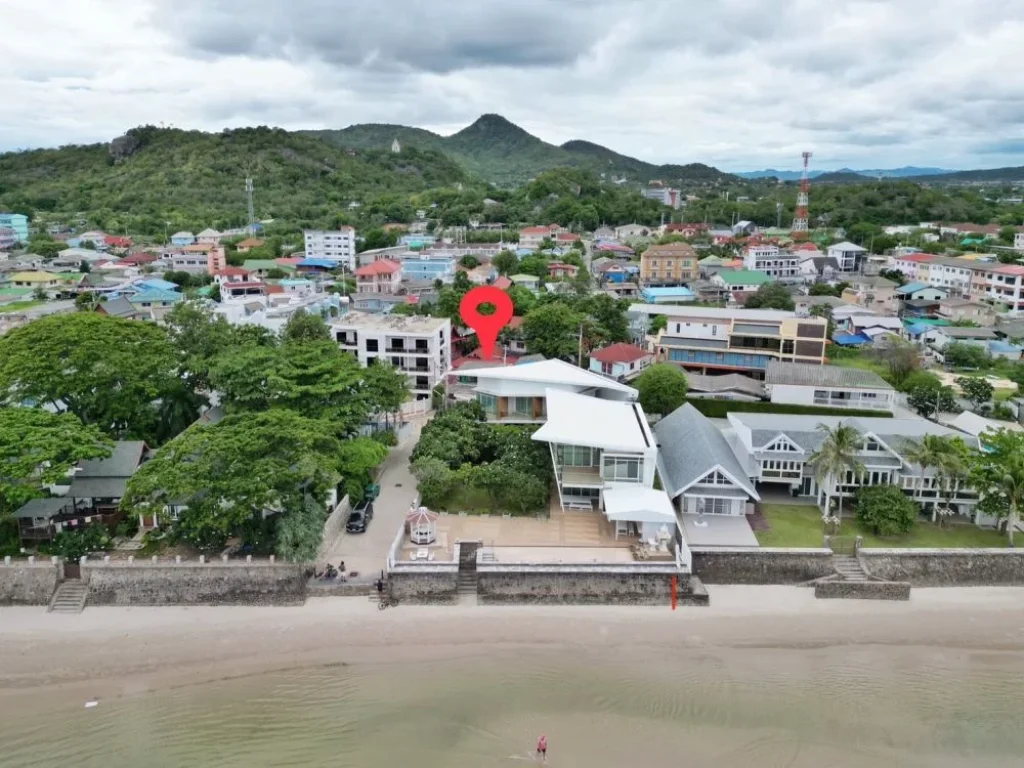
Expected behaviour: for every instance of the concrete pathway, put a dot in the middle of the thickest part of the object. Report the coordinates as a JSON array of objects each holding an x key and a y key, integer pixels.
[{"x": 366, "y": 553}]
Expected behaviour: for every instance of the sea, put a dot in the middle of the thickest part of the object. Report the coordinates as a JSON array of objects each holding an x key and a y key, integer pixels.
[{"x": 855, "y": 705}]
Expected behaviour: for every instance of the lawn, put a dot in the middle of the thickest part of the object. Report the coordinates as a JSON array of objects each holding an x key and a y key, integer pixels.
[
  {"x": 18, "y": 306},
  {"x": 799, "y": 525},
  {"x": 479, "y": 502}
]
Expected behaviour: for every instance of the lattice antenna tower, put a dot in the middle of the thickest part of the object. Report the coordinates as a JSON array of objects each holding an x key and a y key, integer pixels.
[
  {"x": 252, "y": 209},
  {"x": 800, "y": 218}
]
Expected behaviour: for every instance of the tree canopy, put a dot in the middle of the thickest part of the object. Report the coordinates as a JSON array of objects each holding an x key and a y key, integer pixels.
[
  {"x": 771, "y": 296},
  {"x": 997, "y": 474},
  {"x": 37, "y": 448},
  {"x": 552, "y": 330},
  {"x": 662, "y": 388},
  {"x": 107, "y": 371}
]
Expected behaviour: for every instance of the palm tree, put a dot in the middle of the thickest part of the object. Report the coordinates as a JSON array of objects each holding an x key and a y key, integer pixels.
[
  {"x": 836, "y": 456},
  {"x": 947, "y": 456}
]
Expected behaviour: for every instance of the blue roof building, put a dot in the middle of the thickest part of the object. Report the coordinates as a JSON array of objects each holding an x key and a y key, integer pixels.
[
  {"x": 157, "y": 284},
  {"x": 155, "y": 298},
  {"x": 668, "y": 295}
]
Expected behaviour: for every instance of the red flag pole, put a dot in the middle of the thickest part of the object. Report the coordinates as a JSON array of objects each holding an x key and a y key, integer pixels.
[{"x": 674, "y": 595}]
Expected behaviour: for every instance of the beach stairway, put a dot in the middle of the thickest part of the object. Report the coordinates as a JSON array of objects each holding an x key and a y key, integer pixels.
[
  {"x": 69, "y": 597},
  {"x": 849, "y": 568},
  {"x": 467, "y": 582}
]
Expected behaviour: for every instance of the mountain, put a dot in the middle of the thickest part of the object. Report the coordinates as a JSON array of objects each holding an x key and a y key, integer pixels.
[
  {"x": 194, "y": 180},
  {"x": 502, "y": 153},
  {"x": 1012, "y": 175},
  {"x": 907, "y": 171}
]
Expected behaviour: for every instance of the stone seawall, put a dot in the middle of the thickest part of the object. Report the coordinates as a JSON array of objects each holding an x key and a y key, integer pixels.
[
  {"x": 25, "y": 583},
  {"x": 422, "y": 583},
  {"x": 946, "y": 567},
  {"x": 760, "y": 566},
  {"x": 862, "y": 590},
  {"x": 194, "y": 583},
  {"x": 648, "y": 584}
]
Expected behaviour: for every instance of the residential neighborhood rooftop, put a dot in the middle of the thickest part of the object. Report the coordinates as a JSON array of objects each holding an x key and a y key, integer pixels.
[
  {"x": 619, "y": 352},
  {"x": 805, "y": 374},
  {"x": 399, "y": 323},
  {"x": 557, "y": 372},
  {"x": 955, "y": 332},
  {"x": 745, "y": 277}
]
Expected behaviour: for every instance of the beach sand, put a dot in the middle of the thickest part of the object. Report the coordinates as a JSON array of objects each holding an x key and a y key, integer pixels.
[{"x": 113, "y": 651}]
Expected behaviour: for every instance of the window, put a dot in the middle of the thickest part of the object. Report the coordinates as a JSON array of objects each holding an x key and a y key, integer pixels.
[
  {"x": 715, "y": 478},
  {"x": 488, "y": 402},
  {"x": 371, "y": 345},
  {"x": 576, "y": 455},
  {"x": 621, "y": 469},
  {"x": 714, "y": 506}
]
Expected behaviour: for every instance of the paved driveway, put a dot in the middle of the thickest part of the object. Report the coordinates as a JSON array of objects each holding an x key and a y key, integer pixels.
[{"x": 367, "y": 552}]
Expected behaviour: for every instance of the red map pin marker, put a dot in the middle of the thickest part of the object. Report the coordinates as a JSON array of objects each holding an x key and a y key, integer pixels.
[{"x": 487, "y": 327}]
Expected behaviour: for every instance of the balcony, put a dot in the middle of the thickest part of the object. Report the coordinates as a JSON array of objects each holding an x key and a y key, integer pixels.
[{"x": 581, "y": 476}]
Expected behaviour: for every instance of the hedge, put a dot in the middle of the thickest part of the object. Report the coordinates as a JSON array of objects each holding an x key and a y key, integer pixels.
[{"x": 717, "y": 409}]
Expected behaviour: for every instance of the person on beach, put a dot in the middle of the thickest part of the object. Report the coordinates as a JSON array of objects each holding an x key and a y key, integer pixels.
[{"x": 542, "y": 748}]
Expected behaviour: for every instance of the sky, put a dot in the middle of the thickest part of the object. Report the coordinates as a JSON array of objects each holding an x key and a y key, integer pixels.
[{"x": 738, "y": 84}]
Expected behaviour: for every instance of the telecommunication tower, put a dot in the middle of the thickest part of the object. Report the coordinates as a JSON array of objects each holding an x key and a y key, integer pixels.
[
  {"x": 252, "y": 210},
  {"x": 800, "y": 218}
]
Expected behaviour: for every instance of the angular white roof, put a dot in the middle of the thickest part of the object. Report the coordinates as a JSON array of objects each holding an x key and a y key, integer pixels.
[
  {"x": 846, "y": 246},
  {"x": 612, "y": 425},
  {"x": 638, "y": 505},
  {"x": 554, "y": 372}
]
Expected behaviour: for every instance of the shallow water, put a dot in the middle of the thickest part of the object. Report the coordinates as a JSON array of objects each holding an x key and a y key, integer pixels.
[{"x": 836, "y": 706}]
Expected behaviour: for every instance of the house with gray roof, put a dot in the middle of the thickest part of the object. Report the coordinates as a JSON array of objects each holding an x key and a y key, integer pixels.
[
  {"x": 777, "y": 451},
  {"x": 828, "y": 386},
  {"x": 704, "y": 477},
  {"x": 102, "y": 482}
]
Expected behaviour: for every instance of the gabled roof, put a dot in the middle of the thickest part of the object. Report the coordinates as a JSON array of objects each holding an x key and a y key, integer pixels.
[
  {"x": 848, "y": 247},
  {"x": 689, "y": 447},
  {"x": 810, "y": 375},
  {"x": 955, "y": 332},
  {"x": 619, "y": 352},
  {"x": 381, "y": 267},
  {"x": 154, "y": 296},
  {"x": 208, "y": 232},
  {"x": 557, "y": 372},
  {"x": 107, "y": 478},
  {"x": 119, "y": 307},
  {"x": 612, "y": 425}
]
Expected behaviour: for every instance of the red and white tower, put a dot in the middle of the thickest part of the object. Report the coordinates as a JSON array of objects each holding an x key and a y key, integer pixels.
[{"x": 800, "y": 218}]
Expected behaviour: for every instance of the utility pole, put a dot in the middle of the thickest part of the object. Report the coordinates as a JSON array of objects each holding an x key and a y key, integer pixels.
[
  {"x": 252, "y": 210},
  {"x": 579, "y": 354}
]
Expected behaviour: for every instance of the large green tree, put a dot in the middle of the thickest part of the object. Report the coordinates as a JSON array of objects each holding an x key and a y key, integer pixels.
[
  {"x": 315, "y": 379},
  {"x": 929, "y": 396},
  {"x": 662, "y": 388},
  {"x": 553, "y": 330},
  {"x": 385, "y": 388},
  {"x": 38, "y": 448},
  {"x": 771, "y": 296},
  {"x": 976, "y": 389},
  {"x": 199, "y": 336},
  {"x": 302, "y": 327},
  {"x": 247, "y": 466},
  {"x": 107, "y": 371},
  {"x": 886, "y": 510},
  {"x": 947, "y": 458},
  {"x": 997, "y": 474}
]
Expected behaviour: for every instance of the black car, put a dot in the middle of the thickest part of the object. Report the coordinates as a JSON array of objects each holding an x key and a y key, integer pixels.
[{"x": 360, "y": 518}]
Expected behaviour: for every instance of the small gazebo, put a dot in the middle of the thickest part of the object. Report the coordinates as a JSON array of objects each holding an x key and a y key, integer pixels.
[{"x": 422, "y": 525}]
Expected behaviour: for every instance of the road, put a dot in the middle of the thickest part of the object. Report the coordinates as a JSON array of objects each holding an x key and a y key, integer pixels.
[{"x": 366, "y": 553}]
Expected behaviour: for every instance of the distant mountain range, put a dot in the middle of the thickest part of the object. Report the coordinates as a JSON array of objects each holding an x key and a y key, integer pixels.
[
  {"x": 501, "y": 152},
  {"x": 907, "y": 171}
]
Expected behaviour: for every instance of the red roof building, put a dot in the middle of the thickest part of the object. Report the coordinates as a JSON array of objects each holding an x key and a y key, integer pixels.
[
  {"x": 384, "y": 276},
  {"x": 382, "y": 267},
  {"x": 620, "y": 361},
  {"x": 136, "y": 260},
  {"x": 503, "y": 283},
  {"x": 113, "y": 241},
  {"x": 618, "y": 353},
  {"x": 231, "y": 275}
]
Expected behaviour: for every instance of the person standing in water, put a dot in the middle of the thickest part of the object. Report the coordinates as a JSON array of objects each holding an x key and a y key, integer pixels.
[{"x": 542, "y": 748}]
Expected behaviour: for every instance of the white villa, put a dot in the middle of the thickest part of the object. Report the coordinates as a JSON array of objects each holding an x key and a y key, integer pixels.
[{"x": 517, "y": 394}]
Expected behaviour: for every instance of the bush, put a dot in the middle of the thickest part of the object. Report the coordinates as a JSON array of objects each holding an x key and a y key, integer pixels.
[
  {"x": 885, "y": 510},
  {"x": 386, "y": 437},
  {"x": 717, "y": 409},
  {"x": 73, "y": 544}
]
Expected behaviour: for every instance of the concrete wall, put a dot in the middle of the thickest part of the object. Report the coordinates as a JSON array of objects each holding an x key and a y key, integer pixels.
[
  {"x": 334, "y": 527},
  {"x": 194, "y": 583},
  {"x": 611, "y": 584},
  {"x": 25, "y": 583},
  {"x": 946, "y": 567},
  {"x": 424, "y": 583},
  {"x": 761, "y": 566},
  {"x": 862, "y": 590}
]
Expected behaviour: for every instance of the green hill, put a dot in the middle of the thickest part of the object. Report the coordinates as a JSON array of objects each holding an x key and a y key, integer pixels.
[
  {"x": 502, "y": 153},
  {"x": 193, "y": 180},
  {"x": 1006, "y": 175}
]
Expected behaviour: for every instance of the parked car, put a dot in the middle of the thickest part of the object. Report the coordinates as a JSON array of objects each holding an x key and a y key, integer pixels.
[{"x": 360, "y": 518}]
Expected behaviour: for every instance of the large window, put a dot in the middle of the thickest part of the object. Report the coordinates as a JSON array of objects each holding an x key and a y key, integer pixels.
[
  {"x": 714, "y": 506},
  {"x": 488, "y": 402},
  {"x": 621, "y": 469},
  {"x": 521, "y": 406},
  {"x": 577, "y": 456}
]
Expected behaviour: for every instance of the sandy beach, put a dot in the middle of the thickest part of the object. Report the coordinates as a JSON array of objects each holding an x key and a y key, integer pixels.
[{"x": 107, "y": 651}]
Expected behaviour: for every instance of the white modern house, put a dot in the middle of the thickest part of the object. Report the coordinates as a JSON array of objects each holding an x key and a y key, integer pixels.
[
  {"x": 703, "y": 477},
  {"x": 776, "y": 450},
  {"x": 418, "y": 345},
  {"x": 847, "y": 255},
  {"x": 334, "y": 245},
  {"x": 828, "y": 386},
  {"x": 518, "y": 394}
]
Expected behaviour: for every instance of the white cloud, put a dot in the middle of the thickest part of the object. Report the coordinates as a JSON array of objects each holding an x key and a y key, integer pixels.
[{"x": 734, "y": 83}]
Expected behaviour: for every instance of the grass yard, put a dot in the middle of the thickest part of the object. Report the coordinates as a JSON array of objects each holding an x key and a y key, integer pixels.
[
  {"x": 799, "y": 525},
  {"x": 19, "y": 306},
  {"x": 477, "y": 501}
]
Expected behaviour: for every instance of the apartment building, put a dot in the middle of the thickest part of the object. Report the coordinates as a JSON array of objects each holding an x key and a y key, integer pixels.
[
  {"x": 16, "y": 222},
  {"x": 669, "y": 264},
  {"x": 419, "y": 346},
  {"x": 531, "y": 237},
  {"x": 965, "y": 309},
  {"x": 425, "y": 266},
  {"x": 337, "y": 245},
  {"x": 909, "y": 263},
  {"x": 719, "y": 341},
  {"x": 778, "y": 265},
  {"x": 979, "y": 281},
  {"x": 384, "y": 276},
  {"x": 776, "y": 450},
  {"x": 673, "y": 198}
]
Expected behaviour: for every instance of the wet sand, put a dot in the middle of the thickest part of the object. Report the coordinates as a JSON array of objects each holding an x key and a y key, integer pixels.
[{"x": 102, "y": 647}]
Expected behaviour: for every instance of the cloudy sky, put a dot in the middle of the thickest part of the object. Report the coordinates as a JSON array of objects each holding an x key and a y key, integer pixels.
[{"x": 740, "y": 84}]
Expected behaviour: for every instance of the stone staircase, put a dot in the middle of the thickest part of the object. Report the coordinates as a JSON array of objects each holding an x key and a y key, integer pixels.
[
  {"x": 467, "y": 583},
  {"x": 849, "y": 568},
  {"x": 69, "y": 597}
]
